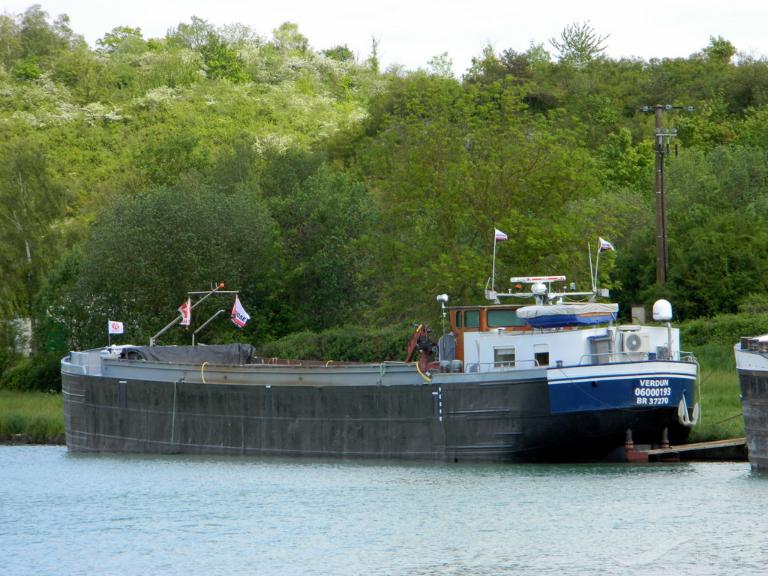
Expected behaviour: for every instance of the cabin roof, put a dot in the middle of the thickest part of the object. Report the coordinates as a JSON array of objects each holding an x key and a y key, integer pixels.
[{"x": 487, "y": 307}]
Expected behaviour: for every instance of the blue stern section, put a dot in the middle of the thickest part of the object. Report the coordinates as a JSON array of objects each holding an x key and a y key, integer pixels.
[{"x": 640, "y": 385}]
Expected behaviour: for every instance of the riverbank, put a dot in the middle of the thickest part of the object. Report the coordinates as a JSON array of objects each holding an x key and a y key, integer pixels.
[
  {"x": 718, "y": 393},
  {"x": 31, "y": 418}
]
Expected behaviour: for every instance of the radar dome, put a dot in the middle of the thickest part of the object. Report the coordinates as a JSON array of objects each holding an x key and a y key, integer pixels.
[{"x": 662, "y": 311}]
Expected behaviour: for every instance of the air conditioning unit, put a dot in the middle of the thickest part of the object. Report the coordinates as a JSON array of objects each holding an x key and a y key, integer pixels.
[{"x": 636, "y": 345}]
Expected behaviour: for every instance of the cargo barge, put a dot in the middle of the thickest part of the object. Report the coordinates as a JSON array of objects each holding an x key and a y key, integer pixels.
[{"x": 505, "y": 383}]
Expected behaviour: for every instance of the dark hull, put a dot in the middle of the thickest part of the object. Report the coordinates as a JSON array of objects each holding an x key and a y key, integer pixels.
[
  {"x": 500, "y": 421},
  {"x": 754, "y": 402}
]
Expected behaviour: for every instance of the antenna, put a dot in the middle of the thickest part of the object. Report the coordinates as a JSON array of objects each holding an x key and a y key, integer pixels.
[
  {"x": 663, "y": 137},
  {"x": 442, "y": 299}
]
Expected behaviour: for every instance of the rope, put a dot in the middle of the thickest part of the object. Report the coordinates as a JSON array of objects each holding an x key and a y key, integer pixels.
[
  {"x": 202, "y": 372},
  {"x": 729, "y": 418}
]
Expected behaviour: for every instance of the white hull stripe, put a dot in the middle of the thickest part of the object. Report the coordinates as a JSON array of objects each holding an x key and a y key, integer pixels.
[{"x": 643, "y": 375}]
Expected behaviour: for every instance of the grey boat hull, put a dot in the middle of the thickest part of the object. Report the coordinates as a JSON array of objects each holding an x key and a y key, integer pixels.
[
  {"x": 752, "y": 366},
  {"x": 368, "y": 411}
]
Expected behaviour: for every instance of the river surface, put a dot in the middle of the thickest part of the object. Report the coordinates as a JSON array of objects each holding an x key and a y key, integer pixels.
[{"x": 64, "y": 514}]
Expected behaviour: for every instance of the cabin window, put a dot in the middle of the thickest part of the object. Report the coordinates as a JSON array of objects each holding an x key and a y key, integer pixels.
[
  {"x": 541, "y": 354},
  {"x": 459, "y": 316},
  {"x": 503, "y": 357},
  {"x": 472, "y": 319},
  {"x": 497, "y": 318}
]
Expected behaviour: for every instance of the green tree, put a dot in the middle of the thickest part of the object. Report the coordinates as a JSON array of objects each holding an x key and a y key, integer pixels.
[
  {"x": 324, "y": 217},
  {"x": 449, "y": 163},
  {"x": 342, "y": 53},
  {"x": 220, "y": 60},
  {"x": 441, "y": 65},
  {"x": 144, "y": 253},
  {"x": 717, "y": 211},
  {"x": 578, "y": 44},
  {"x": 32, "y": 203},
  {"x": 193, "y": 35},
  {"x": 122, "y": 39},
  {"x": 289, "y": 40},
  {"x": 10, "y": 40},
  {"x": 719, "y": 50}
]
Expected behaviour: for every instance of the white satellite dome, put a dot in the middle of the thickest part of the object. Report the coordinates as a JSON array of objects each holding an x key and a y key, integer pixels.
[{"x": 662, "y": 311}]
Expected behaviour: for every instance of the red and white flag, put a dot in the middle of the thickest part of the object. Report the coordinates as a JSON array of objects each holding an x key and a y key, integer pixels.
[
  {"x": 186, "y": 312},
  {"x": 239, "y": 315},
  {"x": 114, "y": 327},
  {"x": 499, "y": 236}
]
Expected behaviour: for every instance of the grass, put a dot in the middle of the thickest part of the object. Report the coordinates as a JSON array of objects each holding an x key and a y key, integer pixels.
[
  {"x": 36, "y": 415},
  {"x": 719, "y": 394}
]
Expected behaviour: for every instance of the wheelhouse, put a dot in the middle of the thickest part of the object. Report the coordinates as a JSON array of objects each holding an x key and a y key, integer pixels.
[{"x": 495, "y": 318}]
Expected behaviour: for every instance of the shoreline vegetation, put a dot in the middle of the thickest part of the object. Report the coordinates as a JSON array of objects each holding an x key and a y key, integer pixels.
[{"x": 31, "y": 417}]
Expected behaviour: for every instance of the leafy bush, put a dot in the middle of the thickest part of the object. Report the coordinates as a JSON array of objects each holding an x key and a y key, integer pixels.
[
  {"x": 723, "y": 329},
  {"x": 351, "y": 343},
  {"x": 41, "y": 372},
  {"x": 7, "y": 359},
  {"x": 754, "y": 304}
]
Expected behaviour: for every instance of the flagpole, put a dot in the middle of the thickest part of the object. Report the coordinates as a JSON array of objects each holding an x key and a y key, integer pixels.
[
  {"x": 493, "y": 268},
  {"x": 597, "y": 264}
]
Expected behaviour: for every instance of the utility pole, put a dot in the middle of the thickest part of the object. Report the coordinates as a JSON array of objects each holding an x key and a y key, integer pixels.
[{"x": 662, "y": 138}]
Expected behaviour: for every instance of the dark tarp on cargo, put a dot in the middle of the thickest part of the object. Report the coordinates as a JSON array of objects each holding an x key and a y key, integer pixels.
[{"x": 217, "y": 354}]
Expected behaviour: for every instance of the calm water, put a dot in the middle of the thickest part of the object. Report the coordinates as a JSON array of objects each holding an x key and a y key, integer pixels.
[{"x": 63, "y": 514}]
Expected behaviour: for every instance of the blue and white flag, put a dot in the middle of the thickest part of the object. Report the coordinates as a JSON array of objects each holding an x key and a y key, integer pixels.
[
  {"x": 499, "y": 236},
  {"x": 605, "y": 246}
]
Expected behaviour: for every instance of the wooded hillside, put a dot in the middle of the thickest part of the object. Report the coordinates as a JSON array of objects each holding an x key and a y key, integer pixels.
[{"x": 331, "y": 192}]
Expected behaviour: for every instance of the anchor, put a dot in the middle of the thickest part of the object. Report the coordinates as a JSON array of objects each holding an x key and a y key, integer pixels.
[{"x": 682, "y": 413}]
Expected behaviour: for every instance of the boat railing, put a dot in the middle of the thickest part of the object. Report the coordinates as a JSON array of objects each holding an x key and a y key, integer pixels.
[
  {"x": 612, "y": 357},
  {"x": 622, "y": 356},
  {"x": 501, "y": 366},
  {"x": 687, "y": 356}
]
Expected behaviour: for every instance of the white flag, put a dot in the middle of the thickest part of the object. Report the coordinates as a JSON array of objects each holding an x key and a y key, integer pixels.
[
  {"x": 186, "y": 312},
  {"x": 114, "y": 327},
  {"x": 239, "y": 315},
  {"x": 605, "y": 246},
  {"x": 499, "y": 236}
]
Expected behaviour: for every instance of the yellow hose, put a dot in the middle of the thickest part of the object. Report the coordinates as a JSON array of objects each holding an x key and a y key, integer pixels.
[{"x": 426, "y": 378}]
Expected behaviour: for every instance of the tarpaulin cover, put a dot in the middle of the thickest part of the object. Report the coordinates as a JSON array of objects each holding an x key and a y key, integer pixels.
[
  {"x": 553, "y": 316},
  {"x": 217, "y": 354}
]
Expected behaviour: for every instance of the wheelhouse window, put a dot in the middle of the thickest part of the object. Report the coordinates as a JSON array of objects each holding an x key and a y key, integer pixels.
[
  {"x": 498, "y": 318},
  {"x": 541, "y": 354},
  {"x": 472, "y": 319},
  {"x": 504, "y": 357}
]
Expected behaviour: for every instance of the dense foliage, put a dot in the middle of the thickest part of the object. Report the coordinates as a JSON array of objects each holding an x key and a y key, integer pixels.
[
  {"x": 332, "y": 193},
  {"x": 40, "y": 373},
  {"x": 346, "y": 343}
]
